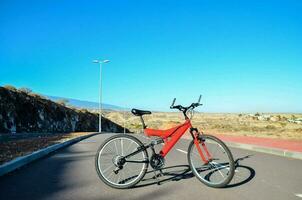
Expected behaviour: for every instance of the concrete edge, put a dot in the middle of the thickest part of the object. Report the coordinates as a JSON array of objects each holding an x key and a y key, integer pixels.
[
  {"x": 23, "y": 160},
  {"x": 268, "y": 150}
]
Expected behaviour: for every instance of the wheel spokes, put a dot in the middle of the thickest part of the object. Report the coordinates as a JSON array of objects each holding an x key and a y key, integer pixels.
[
  {"x": 216, "y": 171},
  {"x": 111, "y": 166}
]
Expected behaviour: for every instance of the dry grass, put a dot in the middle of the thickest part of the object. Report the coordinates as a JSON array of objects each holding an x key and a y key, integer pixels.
[{"x": 230, "y": 124}]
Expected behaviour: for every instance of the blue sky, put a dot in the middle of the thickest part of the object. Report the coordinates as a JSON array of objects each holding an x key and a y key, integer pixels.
[{"x": 243, "y": 56}]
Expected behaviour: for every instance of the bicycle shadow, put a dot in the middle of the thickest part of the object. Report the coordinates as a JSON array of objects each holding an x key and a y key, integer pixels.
[
  {"x": 172, "y": 173},
  {"x": 243, "y": 174}
]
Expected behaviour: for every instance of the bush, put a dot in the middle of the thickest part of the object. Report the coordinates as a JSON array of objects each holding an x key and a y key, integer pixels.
[
  {"x": 25, "y": 90},
  {"x": 84, "y": 110},
  {"x": 283, "y": 124},
  {"x": 62, "y": 102},
  {"x": 10, "y": 87},
  {"x": 38, "y": 96},
  {"x": 299, "y": 130},
  {"x": 284, "y": 118},
  {"x": 271, "y": 127},
  {"x": 73, "y": 107}
]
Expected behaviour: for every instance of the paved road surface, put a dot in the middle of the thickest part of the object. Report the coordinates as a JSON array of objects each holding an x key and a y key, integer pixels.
[{"x": 70, "y": 174}]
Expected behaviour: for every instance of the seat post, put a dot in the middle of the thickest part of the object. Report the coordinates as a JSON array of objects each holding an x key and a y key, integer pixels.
[{"x": 143, "y": 123}]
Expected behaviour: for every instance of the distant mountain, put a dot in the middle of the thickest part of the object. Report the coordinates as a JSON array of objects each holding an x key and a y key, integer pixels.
[{"x": 86, "y": 104}]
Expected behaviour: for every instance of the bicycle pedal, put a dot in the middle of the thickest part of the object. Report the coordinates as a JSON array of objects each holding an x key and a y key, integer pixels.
[{"x": 156, "y": 177}]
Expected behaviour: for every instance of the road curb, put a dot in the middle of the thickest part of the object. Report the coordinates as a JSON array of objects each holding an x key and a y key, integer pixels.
[
  {"x": 23, "y": 160},
  {"x": 269, "y": 150}
]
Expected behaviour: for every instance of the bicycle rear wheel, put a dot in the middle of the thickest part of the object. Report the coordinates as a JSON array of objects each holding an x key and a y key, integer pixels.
[
  {"x": 116, "y": 171},
  {"x": 219, "y": 171}
]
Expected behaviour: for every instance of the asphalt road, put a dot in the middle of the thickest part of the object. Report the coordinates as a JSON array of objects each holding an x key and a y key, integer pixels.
[{"x": 70, "y": 174}]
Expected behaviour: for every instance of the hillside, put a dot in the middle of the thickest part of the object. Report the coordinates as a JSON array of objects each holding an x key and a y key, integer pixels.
[{"x": 22, "y": 111}]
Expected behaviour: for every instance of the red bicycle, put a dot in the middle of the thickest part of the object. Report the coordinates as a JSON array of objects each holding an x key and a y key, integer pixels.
[{"x": 122, "y": 160}]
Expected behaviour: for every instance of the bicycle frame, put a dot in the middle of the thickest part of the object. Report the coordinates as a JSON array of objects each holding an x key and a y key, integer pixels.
[{"x": 172, "y": 135}]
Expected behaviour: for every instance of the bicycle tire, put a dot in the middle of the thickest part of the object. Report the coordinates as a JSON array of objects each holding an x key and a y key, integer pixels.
[
  {"x": 101, "y": 174},
  {"x": 209, "y": 165}
]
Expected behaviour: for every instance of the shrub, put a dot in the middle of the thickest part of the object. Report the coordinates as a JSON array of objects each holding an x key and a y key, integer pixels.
[
  {"x": 283, "y": 124},
  {"x": 299, "y": 130},
  {"x": 294, "y": 117},
  {"x": 84, "y": 110},
  {"x": 73, "y": 107},
  {"x": 62, "y": 102},
  {"x": 284, "y": 118},
  {"x": 271, "y": 127},
  {"x": 25, "y": 90},
  {"x": 38, "y": 96},
  {"x": 10, "y": 87}
]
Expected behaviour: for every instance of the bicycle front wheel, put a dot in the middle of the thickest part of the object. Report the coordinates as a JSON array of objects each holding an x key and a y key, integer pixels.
[
  {"x": 112, "y": 166},
  {"x": 219, "y": 171}
]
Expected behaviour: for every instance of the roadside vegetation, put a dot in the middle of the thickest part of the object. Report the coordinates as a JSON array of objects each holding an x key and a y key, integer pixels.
[{"x": 285, "y": 126}]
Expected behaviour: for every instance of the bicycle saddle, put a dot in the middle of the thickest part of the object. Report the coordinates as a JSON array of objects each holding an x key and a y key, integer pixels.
[{"x": 138, "y": 112}]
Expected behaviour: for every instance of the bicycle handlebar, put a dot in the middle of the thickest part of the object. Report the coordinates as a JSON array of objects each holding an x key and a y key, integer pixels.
[{"x": 184, "y": 109}]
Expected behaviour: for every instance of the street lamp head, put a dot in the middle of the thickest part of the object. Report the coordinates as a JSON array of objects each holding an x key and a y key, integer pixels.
[{"x": 101, "y": 61}]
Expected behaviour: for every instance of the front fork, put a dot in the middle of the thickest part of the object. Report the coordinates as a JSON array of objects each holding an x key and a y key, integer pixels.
[{"x": 198, "y": 139}]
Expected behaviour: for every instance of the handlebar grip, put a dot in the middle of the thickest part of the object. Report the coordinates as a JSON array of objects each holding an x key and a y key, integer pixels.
[
  {"x": 172, "y": 105},
  {"x": 199, "y": 99}
]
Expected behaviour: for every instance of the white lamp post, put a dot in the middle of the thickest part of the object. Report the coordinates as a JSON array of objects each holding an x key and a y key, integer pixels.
[{"x": 100, "y": 62}]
